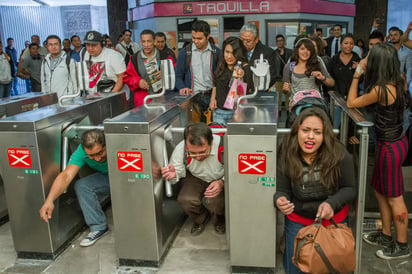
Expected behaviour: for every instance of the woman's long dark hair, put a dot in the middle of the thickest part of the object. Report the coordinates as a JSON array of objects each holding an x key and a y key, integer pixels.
[
  {"x": 239, "y": 51},
  {"x": 328, "y": 158},
  {"x": 313, "y": 63},
  {"x": 383, "y": 68}
]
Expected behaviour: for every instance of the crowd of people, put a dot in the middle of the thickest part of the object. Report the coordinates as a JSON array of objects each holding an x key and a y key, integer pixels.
[{"x": 315, "y": 174}]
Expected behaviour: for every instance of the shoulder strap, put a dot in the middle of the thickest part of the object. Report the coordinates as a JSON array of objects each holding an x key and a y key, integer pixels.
[
  {"x": 82, "y": 53},
  {"x": 188, "y": 59},
  {"x": 68, "y": 62},
  {"x": 220, "y": 150}
]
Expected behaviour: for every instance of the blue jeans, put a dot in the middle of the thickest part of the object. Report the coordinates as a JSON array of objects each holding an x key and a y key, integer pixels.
[
  {"x": 337, "y": 114},
  {"x": 5, "y": 90},
  {"x": 222, "y": 115},
  {"x": 87, "y": 191},
  {"x": 291, "y": 230}
]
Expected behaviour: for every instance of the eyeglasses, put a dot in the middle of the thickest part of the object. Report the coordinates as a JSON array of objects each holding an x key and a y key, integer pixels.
[
  {"x": 98, "y": 154},
  {"x": 200, "y": 154}
]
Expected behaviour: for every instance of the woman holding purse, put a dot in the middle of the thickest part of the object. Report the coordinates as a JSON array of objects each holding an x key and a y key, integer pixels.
[
  {"x": 315, "y": 177},
  {"x": 233, "y": 51}
]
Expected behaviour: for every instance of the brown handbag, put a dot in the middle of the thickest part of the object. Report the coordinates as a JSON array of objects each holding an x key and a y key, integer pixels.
[{"x": 320, "y": 249}]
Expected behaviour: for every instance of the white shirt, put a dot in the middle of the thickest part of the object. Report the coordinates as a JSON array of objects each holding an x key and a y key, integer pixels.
[
  {"x": 333, "y": 47},
  {"x": 208, "y": 170},
  {"x": 202, "y": 68},
  {"x": 107, "y": 65}
]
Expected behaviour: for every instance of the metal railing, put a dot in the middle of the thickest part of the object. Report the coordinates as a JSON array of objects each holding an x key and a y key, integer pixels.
[{"x": 357, "y": 117}]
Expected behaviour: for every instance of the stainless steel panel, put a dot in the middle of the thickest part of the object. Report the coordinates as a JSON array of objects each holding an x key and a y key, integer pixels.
[
  {"x": 145, "y": 219},
  {"x": 249, "y": 198},
  {"x": 40, "y": 133},
  {"x": 250, "y": 172},
  {"x": 17, "y": 104}
]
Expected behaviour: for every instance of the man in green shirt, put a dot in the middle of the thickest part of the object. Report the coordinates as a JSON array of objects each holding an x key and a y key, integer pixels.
[{"x": 92, "y": 152}]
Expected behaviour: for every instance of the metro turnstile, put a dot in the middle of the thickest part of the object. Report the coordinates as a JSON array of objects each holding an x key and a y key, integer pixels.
[
  {"x": 146, "y": 221},
  {"x": 30, "y": 147},
  {"x": 14, "y": 105},
  {"x": 250, "y": 182}
]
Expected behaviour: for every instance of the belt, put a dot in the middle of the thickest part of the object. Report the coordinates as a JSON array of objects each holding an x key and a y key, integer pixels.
[{"x": 204, "y": 92}]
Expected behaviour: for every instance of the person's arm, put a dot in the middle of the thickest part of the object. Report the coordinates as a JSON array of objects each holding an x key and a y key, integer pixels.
[
  {"x": 60, "y": 184},
  {"x": 283, "y": 194},
  {"x": 213, "y": 102},
  {"x": 180, "y": 70},
  {"x": 72, "y": 85},
  {"x": 119, "y": 83},
  {"x": 326, "y": 79},
  {"x": 366, "y": 99},
  {"x": 176, "y": 160},
  {"x": 405, "y": 37}
]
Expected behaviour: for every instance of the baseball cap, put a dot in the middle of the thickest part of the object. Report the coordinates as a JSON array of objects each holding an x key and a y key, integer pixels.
[{"x": 93, "y": 37}]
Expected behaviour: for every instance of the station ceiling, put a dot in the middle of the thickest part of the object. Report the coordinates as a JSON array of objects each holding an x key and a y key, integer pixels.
[{"x": 52, "y": 2}]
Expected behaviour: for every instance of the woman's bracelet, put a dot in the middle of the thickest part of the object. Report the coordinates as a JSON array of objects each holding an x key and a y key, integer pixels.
[{"x": 359, "y": 70}]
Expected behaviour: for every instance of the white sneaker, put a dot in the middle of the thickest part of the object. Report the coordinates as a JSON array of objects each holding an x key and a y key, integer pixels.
[{"x": 92, "y": 237}]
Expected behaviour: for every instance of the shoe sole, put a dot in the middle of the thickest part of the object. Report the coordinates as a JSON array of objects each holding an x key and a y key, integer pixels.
[
  {"x": 92, "y": 242},
  {"x": 373, "y": 243},
  {"x": 197, "y": 233},
  {"x": 380, "y": 254}
]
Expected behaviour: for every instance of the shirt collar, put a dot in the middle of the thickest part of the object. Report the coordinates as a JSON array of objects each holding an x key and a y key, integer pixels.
[{"x": 208, "y": 48}]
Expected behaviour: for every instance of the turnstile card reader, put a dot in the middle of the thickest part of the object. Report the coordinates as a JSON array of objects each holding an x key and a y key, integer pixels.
[{"x": 250, "y": 175}]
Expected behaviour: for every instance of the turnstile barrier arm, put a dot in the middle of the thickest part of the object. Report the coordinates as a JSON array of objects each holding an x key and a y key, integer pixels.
[{"x": 260, "y": 70}]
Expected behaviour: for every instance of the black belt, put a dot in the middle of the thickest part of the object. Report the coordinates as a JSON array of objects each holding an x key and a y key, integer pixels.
[{"x": 204, "y": 92}]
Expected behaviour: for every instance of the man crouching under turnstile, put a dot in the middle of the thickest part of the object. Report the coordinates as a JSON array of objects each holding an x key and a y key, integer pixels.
[
  {"x": 196, "y": 162},
  {"x": 91, "y": 151}
]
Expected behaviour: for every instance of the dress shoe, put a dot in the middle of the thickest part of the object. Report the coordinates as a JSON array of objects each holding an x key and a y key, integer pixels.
[
  {"x": 197, "y": 229},
  {"x": 220, "y": 228}
]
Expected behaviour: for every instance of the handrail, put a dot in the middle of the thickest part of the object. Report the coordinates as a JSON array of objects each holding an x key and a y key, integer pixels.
[
  {"x": 353, "y": 113},
  {"x": 362, "y": 122},
  {"x": 261, "y": 69}
]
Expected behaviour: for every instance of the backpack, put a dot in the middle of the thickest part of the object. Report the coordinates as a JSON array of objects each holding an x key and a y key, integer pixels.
[
  {"x": 187, "y": 160},
  {"x": 188, "y": 59},
  {"x": 304, "y": 99}
]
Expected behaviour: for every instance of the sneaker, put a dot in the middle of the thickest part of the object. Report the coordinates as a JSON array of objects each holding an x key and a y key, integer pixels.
[
  {"x": 197, "y": 229},
  {"x": 393, "y": 252},
  {"x": 92, "y": 237},
  {"x": 375, "y": 238}
]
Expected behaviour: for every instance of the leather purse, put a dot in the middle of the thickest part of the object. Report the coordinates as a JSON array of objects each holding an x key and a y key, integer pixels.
[{"x": 325, "y": 249}]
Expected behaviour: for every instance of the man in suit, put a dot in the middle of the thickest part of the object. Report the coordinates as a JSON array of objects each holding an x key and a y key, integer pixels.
[
  {"x": 333, "y": 42},
  {"x": 250, "y": 38}
]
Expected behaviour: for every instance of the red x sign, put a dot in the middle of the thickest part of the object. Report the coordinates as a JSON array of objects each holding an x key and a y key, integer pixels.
[
  {"x": 19, "y": 157},
  {"x": 252, "y": 163},
  {"x": 129, "y": 161}
]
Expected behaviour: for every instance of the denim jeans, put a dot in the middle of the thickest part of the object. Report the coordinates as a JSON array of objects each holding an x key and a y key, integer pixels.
[
  {"x": 291, "y": 230},
  {"x": 87, "y": 190},
  {"x": 337, "y": 115},
  {"x": 222, "y": 115},
  {"x": 5, "y": 90}
]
